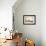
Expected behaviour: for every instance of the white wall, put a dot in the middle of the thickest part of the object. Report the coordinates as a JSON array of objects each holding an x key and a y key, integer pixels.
[
  {"x": 29, "y": 7},
  {"x": 25, "y": 8},
  {"x": 6, "y": 13},
  {"x": 43, "y": 22}
]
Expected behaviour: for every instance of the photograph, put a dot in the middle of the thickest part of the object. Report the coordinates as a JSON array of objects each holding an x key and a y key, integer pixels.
[
  {"x": 29, "y": 19},
  {"x": 22, "y": 22}
]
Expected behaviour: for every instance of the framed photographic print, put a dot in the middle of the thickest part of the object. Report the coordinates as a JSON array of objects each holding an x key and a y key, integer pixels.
[{"x": 29, "y": 19}]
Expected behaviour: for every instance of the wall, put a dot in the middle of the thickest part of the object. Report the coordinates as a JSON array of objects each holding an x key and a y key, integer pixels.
[
  {"x": 6, "y": 13},
  {"x": 43, "y": 22},
  {"x": 28, "y": 7}
]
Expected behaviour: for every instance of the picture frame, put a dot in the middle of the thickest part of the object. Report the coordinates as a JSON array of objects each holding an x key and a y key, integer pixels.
[{"x": 29, "y": 19}]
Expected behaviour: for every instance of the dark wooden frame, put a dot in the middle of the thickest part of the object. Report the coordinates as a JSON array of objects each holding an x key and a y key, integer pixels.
[{"x": 30, "y": 23}]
